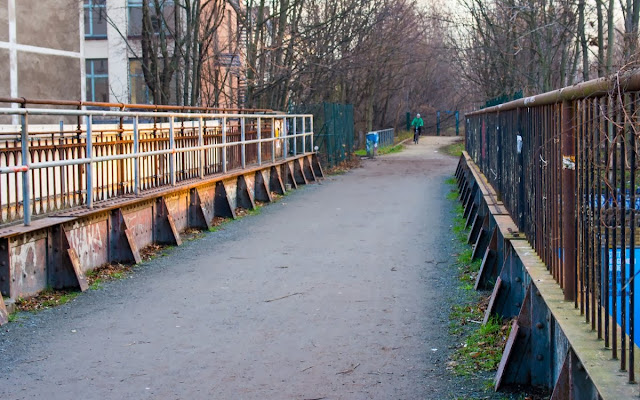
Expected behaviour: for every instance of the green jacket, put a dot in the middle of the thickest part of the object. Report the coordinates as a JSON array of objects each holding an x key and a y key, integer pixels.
[{"x": 417, "y": 122}]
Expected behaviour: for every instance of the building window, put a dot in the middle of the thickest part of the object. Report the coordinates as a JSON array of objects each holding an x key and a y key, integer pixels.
[
  {"x": 97, "y": 80},
  {"x": 159, "y": 22},
  {"x": 138, "y": 91},
  {"x": 95, "y": 19}
]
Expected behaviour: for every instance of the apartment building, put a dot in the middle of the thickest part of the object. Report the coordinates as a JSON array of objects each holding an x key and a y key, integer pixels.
[
  {"x": 113, "y": 52},
  {"x": 41, "y": 53}
]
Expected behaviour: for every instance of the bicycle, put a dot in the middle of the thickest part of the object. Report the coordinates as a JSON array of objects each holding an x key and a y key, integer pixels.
[{"x": 416, "y": 134}]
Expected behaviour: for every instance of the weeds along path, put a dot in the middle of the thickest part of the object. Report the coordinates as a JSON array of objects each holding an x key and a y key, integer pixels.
[{"x": 340, "y": 290}]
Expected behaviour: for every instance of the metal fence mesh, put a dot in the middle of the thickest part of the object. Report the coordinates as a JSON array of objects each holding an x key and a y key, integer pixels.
[{"x": 333, "y": 131}]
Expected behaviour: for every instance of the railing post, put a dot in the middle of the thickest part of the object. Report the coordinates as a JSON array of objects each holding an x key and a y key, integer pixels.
[
  {"x": 224, "y": 145},
  {"x": 284, "y": 139},
  {"x": 259, "y": 141},
  {"x": 63, "y": 170},
  {"x": 136, "y": 160},
  {"x": 89, "y": 165},
  {"x": 304, "y": 141},
  {"x": 312, "y": 149},
  {"x": 201, "y": 151},
  {"x": 273, "y": 142},
  {"x": 243, "y": 148},
  {"x": 295, "y": 138},
  {"x": 172, "y": 147},
  {"x": 26, "y": 185},
  {"x": 568, "y": 202}
]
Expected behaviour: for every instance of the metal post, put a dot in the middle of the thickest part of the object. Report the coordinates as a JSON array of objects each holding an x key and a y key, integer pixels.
[
  {"x": 438, "y": 123},
  {"x": 259, "y": 141},
  {"x": 201, "y": 152},
  {"x": 311, "y": 136},
  {"x": 172, "y": 158},
  {"x": 136, "y": 160},
  {"x": 304, "y": 142},
  {"x": 568, "y": 203},
  {"x": 243, "y": 148},
  {"x": 224, "y": 142},
  {"x": 457, "y": 123},
  {"x": 26, "y": 184},
  {"x": 89, "y": 154},
  {"x": 273, "y": 142},
  {"x": 63, "y": 170},
  {"x": 295, "y": 140},
  {"x": 285, "y": 140}
]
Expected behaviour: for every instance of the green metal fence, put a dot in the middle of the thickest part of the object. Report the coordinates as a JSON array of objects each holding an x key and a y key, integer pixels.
[{"x": 334, "y": 131}]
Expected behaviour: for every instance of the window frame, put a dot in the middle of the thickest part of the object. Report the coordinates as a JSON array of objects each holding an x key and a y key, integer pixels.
[
  {"x": 137, "y": 4},
  {"x": 92, "y": 76},
  {"x": 89, "y": 6}
]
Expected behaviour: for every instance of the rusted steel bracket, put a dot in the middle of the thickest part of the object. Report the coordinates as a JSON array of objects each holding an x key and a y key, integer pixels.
[
  {"x": 5, "y": 275},
  {"x": 480, "y": 222},
  {"x": 262, "y": 192},
  {"x": 123, "y": 247},
  {"x": 198, "y": 215},
  {"x": 165, "y": 225},
  {"x": 68, "y": 271},
  {"x": 244, "y": 192},
  {"x": 287, "y": 175},
  {"x": 488, "y": 268},
  {"x": 573, "y": 381},
  {"x": 317, "y": 167},
  {"x": 276, "y": 184},
  {"x": 298, "y": 173},
  {"x": 222, "y": 205},
  {"x": 508, "y": 292},
  {"x": 483, "y": 239},
  {"x": 308, "y": 170},
  {"x": 4, "y": 314},
  {"x": 528, "y": 357}
]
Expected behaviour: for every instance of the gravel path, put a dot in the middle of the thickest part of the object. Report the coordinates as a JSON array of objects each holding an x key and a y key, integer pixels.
[{"x": 340, "y": 290}]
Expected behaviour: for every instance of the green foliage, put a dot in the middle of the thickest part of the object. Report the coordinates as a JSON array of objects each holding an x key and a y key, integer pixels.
[
  {"x": 482, "y": 349},
  {"x": 454, "y": 149},
  {"x": 13, "y": 317},
  {"x": 97, "y": 284},
  {"x": 396, "y": 148}
]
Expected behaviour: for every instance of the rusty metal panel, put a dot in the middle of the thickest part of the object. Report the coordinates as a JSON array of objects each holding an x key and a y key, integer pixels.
[
  {"x": 5, "y": 276},
  {"x": 27, "y": 267},
  {"x": 4, "y": 314},
  {"x": 178, "y": 207},
  {"x": 244, "y": 195},
  {"x": 140, "y": 223},
  {"x": 276, "y": 184},
  {"x": 250, "y": 182},
  {"x": 91, "y": 244},
  {"x": 77, "y": 269},
  {"x": 207, "y": 196},
  {"x": 261, "y": 188},
  {"x": 231, "y": 187}
]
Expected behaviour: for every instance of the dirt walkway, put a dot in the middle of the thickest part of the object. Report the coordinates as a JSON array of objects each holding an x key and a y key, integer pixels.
[{"x": 339, "y": 291}]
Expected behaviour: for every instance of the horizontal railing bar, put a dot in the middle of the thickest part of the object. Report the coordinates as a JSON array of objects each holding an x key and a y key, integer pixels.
[
  {"x": 628, "y": 81},
  {"x": 81, "y": 161},
  {"x": 101, "y": 113}
]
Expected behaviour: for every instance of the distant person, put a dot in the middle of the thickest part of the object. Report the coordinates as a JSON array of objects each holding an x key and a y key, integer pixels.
[{"x": 418, "y": 123}]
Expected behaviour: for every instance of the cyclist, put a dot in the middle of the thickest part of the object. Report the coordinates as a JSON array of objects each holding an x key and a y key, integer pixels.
[{"x": 417, "y": 124}]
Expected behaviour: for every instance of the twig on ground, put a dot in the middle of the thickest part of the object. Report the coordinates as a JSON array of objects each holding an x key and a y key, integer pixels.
[
  {"x": 306, "y": 369},
  {"x": 348, "y": 371},
  {"x": 283, "y": 297}
]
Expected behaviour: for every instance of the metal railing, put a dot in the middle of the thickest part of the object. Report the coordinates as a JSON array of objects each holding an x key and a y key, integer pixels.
[
  {"x": 385, "y": 137},
  {"x": 49, "y": 168},
  {"x": 565, "y": 164}
]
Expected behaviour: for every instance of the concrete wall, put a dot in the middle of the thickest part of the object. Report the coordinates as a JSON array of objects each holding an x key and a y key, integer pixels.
[{"x": 41, "y": 50}]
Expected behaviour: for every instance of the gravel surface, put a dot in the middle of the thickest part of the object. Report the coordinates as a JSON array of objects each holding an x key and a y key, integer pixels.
[{"x": 340, "y": 290}]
